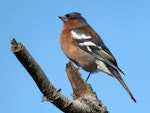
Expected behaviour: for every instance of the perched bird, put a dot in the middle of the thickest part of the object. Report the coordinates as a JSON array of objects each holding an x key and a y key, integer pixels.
[{"x": 85, "y": 48}]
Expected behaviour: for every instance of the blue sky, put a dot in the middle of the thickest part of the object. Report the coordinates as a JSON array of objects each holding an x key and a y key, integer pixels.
[{"x": 123, "y": 25}]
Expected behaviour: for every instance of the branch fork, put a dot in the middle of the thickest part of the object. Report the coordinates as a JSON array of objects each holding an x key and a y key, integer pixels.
[{"x": 84, "y": 99}]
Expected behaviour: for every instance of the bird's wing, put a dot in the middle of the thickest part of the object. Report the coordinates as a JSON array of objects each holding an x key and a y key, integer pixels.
[{"x": 93, "y": 44}]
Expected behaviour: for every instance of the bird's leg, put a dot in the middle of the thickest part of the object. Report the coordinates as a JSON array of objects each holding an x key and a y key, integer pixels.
[{"x": 88, "y": 77}]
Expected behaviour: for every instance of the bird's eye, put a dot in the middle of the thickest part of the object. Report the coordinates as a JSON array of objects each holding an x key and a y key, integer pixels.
[
  {"x": 71, "y": 17},
  {"x": 67, "y": 15}
]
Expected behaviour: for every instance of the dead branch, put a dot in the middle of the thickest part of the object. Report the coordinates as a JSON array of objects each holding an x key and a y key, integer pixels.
[{"x": 85, "y": 100}]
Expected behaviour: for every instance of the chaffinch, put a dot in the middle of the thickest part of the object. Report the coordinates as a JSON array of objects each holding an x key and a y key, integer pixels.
[{"x": 85, "y": 48}]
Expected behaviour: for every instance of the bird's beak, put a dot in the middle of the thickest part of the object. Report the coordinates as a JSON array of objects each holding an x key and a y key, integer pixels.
[{"x": 63, "y": 18}]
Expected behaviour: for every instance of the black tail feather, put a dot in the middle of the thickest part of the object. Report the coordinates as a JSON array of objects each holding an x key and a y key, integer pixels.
[{"x": 116, "y": 74}]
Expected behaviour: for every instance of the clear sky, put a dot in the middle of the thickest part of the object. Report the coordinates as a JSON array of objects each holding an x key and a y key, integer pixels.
[{"x": 124, "y": 27}]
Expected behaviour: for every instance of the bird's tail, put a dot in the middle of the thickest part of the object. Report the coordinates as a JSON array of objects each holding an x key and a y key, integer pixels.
[{"x": 119, "y": 78}]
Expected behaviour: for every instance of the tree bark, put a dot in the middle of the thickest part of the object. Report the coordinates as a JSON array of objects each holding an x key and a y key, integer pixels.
[{"x": 84, "y": 99}]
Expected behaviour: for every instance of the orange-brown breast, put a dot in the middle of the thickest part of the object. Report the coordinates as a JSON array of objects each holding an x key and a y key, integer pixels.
[{"x": 75, "y": 54}]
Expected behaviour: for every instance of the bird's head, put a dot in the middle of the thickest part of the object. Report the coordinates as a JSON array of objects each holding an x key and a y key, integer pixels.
[{"x": 73, "y": 19}]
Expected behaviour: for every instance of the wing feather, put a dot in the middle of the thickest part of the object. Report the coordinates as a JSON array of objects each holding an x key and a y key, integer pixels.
[{"x": 95, "y": 47}]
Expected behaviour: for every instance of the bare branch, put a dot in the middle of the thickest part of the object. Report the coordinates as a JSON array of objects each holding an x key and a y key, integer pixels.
[
  {"x": 85, "y": 100},
  {"x": 83, "y": 92},
  {"x": 45, "y": 86}
]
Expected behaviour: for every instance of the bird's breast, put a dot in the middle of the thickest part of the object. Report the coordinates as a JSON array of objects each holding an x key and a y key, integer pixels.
[{"x": 76, "y": 54}]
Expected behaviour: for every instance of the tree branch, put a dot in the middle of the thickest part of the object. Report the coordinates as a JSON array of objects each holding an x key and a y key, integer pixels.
[
  {"x": 80, "y": 87},
  {"x": 85, "y": 100}
]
